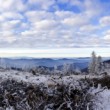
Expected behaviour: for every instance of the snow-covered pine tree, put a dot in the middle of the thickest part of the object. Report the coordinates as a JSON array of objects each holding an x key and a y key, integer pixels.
[
  {"x": 98, "y": 66},
  {"x": 68, "y": 68},
  {"x": 65, "y": 68},
  {"x": 77, "y": 70},
  {"x": 55, "y": 69},
  {"x": 91, "y": 67}
]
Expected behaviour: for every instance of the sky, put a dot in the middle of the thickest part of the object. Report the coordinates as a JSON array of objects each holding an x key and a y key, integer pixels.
[{"x": 54, "y": 28}]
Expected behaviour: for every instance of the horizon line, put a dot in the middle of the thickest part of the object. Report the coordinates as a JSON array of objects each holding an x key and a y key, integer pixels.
[{"x": 54, "y": 53}]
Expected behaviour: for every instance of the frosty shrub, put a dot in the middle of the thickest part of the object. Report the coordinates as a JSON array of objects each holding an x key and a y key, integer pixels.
[{"x": 76, "y": 95}]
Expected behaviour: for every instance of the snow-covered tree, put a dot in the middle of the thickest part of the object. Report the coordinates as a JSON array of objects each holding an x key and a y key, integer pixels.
[
  {"x": 77, "y": 70},
  {"x": 98, "y": 65},
  {"x": 68, "y": 68},
  {"x": 55, "y": 67},
  {"x": 65, "y": 68},
  {"x": 92, "y": 64}
]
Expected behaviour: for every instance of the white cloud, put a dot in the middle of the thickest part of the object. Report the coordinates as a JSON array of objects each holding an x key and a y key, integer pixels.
[
  {"x": 107, "y": 35},
  {"x": 12, "y": 5},
  {"x": 64, "y": 14},
  {"x": 12, "y": 15},
  {"x": 42, "y": 23},
  {"x": 92, "y": 8},
  {"x": 10, "y": 25},
  {"x": 8, "y": 16},
  {"x": 77, "y": 20},
  {"x": 7, "y": 36},
  {"x": 42, "y": 4},
  {"x": 46, "y": 24},
  {"x": 105, "y": 21},
  {"x": 89, "y": 28},
  {"x": 34, "y": 16}
]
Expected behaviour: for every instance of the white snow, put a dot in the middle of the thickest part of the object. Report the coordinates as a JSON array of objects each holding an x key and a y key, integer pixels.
[
  {"x": 36, "y": 79},
  {"x": 102, "y": 100}
]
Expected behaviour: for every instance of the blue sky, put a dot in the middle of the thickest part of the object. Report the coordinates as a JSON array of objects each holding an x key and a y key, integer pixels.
[{"x": 54, "y": 24}]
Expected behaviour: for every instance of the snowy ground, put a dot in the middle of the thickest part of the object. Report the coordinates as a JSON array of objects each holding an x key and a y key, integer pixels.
[
  {"x": 102, "y": 99},
  {"x": 36, "y": 79}
]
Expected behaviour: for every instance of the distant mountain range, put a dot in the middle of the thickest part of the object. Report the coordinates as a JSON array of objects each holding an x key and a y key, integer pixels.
[
  {"x": 80, "y": 63},
  {"x": 107, "y": 61}
]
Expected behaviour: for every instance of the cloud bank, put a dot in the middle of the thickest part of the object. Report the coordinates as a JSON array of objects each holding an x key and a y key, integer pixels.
[{"x": 54, "y": 23}]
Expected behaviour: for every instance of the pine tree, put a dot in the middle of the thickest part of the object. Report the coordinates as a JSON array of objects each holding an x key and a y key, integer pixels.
[
  {"x": 65, "y": 68},
  {"x": 92, "y": 64},
  {"x": 68, "y": 68},
  {"x": 55, "y": 69},
  {"x": 98, "y": 64}
]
